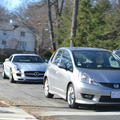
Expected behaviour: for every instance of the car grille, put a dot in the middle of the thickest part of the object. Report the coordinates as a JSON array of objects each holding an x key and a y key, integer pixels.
[
  {"x": 34, "y": 73},
  {"x": 108, "y": 99},
  {"x": 111, "y": 85}
]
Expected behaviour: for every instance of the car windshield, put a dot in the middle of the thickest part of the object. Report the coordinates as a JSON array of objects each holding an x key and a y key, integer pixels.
[
  {"x": 117, "y": 53},
  {"x": 96, "y": 59},
  {"x": 28, "y": 59}
]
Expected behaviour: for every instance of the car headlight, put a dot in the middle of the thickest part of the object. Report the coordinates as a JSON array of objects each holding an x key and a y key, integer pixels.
[
  {"x": 85, "y": 78},
  {"x": 16, "y": 69}
]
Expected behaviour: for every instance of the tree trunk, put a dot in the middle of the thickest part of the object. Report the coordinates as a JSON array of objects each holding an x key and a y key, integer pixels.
[
  {"x": 74, "y": 22},
  {"x": 51, "y": 26}
]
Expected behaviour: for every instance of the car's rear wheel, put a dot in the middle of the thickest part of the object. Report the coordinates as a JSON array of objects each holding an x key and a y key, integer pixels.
[
  {"x": 71, "y": 97},
  {"x": 46, "y": 90}
]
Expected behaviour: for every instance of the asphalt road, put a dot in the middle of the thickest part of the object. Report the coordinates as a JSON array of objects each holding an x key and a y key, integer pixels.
[{"x": 31, "y": 98}]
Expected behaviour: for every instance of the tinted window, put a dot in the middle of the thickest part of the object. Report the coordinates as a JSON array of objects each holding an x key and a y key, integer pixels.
[
  {"x": 66, "y": 60},
  {"x": 57, "y": 58},
  {"x": 28, "y": 59},
  {"x": 96, "y": 59},
  {"x": 117, "y": 53}
]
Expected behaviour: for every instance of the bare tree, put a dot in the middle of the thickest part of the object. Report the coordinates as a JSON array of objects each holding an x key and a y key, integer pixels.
[
  {"x": 74, "y": 22},
  {"x": 4, "y": 16},
  {"x": 35, "y": 18},
  {"x": 51, "y": 25},
  {"x": 58, "y": 5}
]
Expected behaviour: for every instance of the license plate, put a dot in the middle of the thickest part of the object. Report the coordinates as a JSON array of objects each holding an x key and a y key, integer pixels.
[{"x": 115, "y": 94}]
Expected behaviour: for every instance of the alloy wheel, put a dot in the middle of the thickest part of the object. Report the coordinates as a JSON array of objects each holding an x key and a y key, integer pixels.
[
  {"x": 71, "y": 97},
  {"x": 46, "y": 90}
]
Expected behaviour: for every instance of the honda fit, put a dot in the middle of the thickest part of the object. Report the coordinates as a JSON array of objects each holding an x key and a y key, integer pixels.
[{"x": 83, "y": 76}]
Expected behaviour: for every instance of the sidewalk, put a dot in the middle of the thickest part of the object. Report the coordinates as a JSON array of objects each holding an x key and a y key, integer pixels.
[{"x": 13, "y": 113}]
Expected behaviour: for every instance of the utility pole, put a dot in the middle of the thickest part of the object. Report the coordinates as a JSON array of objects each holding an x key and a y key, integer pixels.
[
  {"x": 74, "y": 22},
  {"x": 51, "y": 25}
]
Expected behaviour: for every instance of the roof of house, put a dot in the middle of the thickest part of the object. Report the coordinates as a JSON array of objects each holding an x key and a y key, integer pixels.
[{"x": 5, "y": 26}]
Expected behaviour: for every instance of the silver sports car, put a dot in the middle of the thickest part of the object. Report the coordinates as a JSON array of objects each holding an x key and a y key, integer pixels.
[{"x": 24, "y": 67}]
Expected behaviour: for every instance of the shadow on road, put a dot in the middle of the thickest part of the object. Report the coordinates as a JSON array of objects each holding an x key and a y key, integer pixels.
[
  {"x": 33, "y": 106},
  {"x": 27, "y": 83},
  {"x": 96, "y": 108},
  {"x": 83, "y": 108},
  {"x": 101, "y": 108}
]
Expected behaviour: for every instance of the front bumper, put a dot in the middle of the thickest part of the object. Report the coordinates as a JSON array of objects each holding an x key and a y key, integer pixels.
[
  {"x": 22, "y": 78},
  {"x": 91, "y": 94}
]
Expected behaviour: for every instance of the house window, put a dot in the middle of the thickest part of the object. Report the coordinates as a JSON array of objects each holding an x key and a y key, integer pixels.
[
  {"x": 3, "y": 42},
  {"x": 22, "y": 33}
]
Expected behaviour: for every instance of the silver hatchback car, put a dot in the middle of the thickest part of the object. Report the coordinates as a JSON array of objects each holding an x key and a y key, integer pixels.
[{"x": 83, "y": 76}]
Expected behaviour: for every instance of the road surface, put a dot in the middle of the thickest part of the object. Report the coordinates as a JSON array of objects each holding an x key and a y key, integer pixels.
[{"x": 31, "y": 98}]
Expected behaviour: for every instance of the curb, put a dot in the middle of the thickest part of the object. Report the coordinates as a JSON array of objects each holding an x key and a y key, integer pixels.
[
  {"x": 13, "y": 113},
  {"x": 8, "y": 112}
]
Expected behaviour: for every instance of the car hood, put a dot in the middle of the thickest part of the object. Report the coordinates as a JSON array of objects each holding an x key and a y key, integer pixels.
[
  {"x": 32, "y": 66},
  {"x": 101, "y": 75}
]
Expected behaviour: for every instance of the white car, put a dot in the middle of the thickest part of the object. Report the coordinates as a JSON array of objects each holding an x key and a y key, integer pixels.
[{"x": 24, "y": 67}]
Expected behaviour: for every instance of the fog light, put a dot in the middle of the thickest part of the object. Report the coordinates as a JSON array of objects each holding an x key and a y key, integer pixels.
[{"x": 87, "y": 96}]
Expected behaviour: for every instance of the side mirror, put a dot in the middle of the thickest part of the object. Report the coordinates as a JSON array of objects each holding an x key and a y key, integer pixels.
[
  {"x": 6, "y": 60},
  {"x": 62, "y": 66}
]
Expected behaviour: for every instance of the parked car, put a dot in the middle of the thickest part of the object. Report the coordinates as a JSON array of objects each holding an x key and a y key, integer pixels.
[
  {"x": 24, "y": 67},
  {"x": 83, "y": 76},
  {"x": 117, "y": 52}
]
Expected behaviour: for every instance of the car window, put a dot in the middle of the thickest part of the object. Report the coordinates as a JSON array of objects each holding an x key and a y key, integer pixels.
[
  {"x": 57, "y": 57},
  {"x": 10, "y": 58},
  {"x": 96, "y": 59},
  {"x": 28, "y": 59},
  {"x": 113, "y": 62},
  {"x": 51, "y": 59},
  {"x": 117, "y": 53},
  {"x": 66, "y": 60}
]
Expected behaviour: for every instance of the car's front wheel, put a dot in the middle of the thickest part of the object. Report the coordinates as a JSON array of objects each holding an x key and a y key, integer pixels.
[
  {"x": 4, "y": 76},
  {"x": 46, "y": 90},
  {"x": 71, "y": 97},
  {"x": 12, "y": 78}
]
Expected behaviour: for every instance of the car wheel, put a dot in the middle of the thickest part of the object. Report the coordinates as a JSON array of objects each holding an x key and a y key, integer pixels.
[
  {"x": 4, "y": 76},
  {"x": 46, "y": 90},
  {"x": 71, "y": 97},
  {"x": 12, "y": 78}
]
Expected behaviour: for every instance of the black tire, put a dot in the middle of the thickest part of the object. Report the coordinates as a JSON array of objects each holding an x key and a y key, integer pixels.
[
  {"x": 46, "y": 90},
  {"x": 71, "y": 97},
  {"x": 4, "y": 76}
]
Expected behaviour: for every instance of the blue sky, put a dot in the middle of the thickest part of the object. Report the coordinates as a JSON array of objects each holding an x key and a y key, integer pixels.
[{"x": 11, "y": 5}]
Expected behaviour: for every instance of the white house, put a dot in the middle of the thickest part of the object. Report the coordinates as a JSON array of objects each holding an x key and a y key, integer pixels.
[{"x": 19, "y": 38}]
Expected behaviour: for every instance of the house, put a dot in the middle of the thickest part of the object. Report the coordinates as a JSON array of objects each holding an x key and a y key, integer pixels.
[
  {"x": 16, "y": 37},
  {"x": 38, "y": 17}
]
